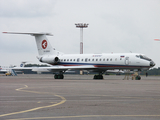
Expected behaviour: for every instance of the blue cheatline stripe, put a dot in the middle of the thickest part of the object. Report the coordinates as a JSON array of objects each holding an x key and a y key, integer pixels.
[{"x": 99, "y": 65}]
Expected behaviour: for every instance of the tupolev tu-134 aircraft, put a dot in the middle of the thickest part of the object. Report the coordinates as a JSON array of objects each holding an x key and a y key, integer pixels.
[{"x": 99, "y": 63}]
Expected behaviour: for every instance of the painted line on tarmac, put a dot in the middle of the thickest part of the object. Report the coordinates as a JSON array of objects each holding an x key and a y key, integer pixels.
[
  {"x": 85, "y": 116},
  {"x": 37, "y": 108}
]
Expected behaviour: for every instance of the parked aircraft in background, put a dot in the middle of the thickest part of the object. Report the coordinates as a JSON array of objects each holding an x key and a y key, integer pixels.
[
  {"x": 2, "y": 70},
  {"x": 7, "y": 71},
  {"x": 99, "y": 63}
]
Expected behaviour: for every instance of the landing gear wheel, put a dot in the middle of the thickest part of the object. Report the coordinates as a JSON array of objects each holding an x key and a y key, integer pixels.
[
  {"x": 98, "y": 77},
  {"x": 57, "y": 76},
  {"x": 138, "y": 77},
  {"x": 95, "y": 77}
]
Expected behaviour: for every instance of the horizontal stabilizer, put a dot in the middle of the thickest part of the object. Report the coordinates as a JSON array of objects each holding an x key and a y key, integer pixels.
[
  {"x": 33, "y": 34},
  {"x": 43, "y": 45}
]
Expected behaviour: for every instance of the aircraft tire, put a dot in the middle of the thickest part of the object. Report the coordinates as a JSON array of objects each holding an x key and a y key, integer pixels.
[
  {"x": 98, "y": 77},
  {"x": 138, "y": 77},
  {"x": 95, "y": 77},
  {"x": 101, "y": 76},
  {"x": 61, "y": 76},
  {"x": 58, "y": 76},
  {"x": 55, "y": 76}
]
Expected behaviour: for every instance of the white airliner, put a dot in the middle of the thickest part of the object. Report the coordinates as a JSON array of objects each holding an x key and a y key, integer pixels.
[
  {"x": 99, "y": 63},
  {"x": 7, "y": 71},
  {"x": 10, "y": 70},
  {"x": 2, "y": 70}
]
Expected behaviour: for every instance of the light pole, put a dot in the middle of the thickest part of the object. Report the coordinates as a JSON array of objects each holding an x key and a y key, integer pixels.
[{"x": 81, "y": 26}]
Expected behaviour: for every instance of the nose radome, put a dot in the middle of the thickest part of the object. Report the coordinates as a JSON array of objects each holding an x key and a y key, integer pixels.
[{"x": 152, "y": 64}]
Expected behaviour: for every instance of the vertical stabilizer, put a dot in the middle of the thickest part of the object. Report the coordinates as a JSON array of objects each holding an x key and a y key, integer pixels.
[{"x": 43, "y": 45}]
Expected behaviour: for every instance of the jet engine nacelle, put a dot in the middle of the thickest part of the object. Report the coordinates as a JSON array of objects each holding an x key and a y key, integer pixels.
[{"x": 50, "y": 60}]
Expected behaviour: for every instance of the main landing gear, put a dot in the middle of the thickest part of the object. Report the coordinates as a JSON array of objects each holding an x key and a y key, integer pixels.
[
  {"x": 58, "y": 76},
  {"x": 98, "y": 77}
]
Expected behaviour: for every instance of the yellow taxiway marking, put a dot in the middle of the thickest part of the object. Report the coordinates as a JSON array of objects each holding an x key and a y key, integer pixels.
[
  {"x": 85, "y": 116},
  {"x": 37, "y": 108}
]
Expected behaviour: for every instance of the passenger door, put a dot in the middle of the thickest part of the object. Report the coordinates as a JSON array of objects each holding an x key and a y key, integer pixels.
[{"x": 127, "y": 61}]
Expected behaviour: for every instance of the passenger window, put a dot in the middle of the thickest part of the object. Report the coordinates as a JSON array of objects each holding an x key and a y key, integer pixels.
[
  {"x": 96, "y": 59},
  {"x": 86, "y": 60},
  {"x": 82, "y": 60},
  {"x": 77, "y": 59},
  {"x": 70, "y": 59},
  {"x": 110, "y": 59},
  {"x": 61, "y": 60},
  {"x": 92, "y": 59},
  {"x": 64, "y": 59},
  {"x": 74, "y": 60},
  {"x": 107, "y": 59},
  {"x": 67, "y": 59},
  {"x": 99, "y": 59},
  {"x": 104, "y": 59}
]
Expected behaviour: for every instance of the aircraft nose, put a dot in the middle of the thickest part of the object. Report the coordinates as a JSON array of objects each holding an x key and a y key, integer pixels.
[{"x": 152, "y": 64}]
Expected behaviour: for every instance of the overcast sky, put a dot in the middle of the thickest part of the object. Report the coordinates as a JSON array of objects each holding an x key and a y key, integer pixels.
[{"x": 118, "y": 26}]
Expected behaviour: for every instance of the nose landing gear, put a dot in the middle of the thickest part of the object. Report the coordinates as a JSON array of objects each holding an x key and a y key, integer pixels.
[{"x": 138, "y": 77}]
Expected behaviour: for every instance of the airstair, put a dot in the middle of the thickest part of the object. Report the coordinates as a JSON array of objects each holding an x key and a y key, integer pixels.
[{"x": 13, "y": 72}]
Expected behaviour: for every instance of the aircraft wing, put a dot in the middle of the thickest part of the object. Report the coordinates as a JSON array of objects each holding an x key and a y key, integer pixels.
[
  {"x": 58, "y": 68},
  {"x": 64, "y": 68}
]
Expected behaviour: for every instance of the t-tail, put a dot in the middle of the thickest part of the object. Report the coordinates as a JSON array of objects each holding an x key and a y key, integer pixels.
[
  {"x": 43, "y": 45},
  {"x": 22, "y": 64}
]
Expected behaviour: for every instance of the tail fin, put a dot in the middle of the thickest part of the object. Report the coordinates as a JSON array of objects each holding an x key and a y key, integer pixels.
[
  {"x": 43, "y": 45},
  {"x": 22, "y": 64}
]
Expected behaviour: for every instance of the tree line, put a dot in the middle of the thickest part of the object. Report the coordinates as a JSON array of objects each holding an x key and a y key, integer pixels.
[{"x": 153, "y": 71}]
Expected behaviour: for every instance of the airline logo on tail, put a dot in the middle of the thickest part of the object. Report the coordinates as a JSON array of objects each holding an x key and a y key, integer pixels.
[
  {"x": 21, "y": 65},
  {"x": 44, "y": 44}
]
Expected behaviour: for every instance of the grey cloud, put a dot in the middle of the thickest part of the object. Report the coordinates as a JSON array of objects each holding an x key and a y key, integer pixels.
[{"x": 26, "y": 8}]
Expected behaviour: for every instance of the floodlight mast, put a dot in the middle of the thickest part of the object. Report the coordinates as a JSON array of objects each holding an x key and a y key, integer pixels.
[{"x": 81, "y": 26}]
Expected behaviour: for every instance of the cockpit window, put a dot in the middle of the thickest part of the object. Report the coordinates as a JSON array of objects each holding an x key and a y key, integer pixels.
[{"x": 144, "y": 57}]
